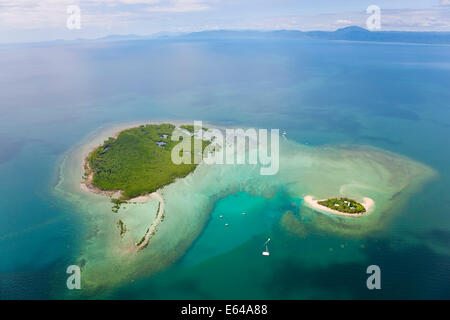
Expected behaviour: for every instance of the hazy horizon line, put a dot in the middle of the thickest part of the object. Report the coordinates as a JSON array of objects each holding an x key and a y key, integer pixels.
[{"x": 168, "y": 34}]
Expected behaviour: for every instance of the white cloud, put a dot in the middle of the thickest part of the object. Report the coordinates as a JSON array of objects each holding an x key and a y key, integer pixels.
[
  {"x": 402, "y": 20},
  {"x": 181, "y": 6},
  {"x": 125, "y": 2},
  {"x": 344, "y": 22},
  {"x": 44, "y": 14},
  {"x": 35, "y": 14},
  {"x": 445, "y": 3},
  {"x": 429, "y": 20},
  {"x": 28, "y": 14}
]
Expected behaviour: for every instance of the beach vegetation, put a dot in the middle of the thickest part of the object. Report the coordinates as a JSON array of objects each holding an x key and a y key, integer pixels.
[
  {"x": 137, "y": 163},
  {"x": 343, "y": 205},
  {"x": 122, "y": 227}
]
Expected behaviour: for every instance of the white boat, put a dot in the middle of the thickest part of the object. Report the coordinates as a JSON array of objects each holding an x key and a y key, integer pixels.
[{"x": 266, "y": 252}]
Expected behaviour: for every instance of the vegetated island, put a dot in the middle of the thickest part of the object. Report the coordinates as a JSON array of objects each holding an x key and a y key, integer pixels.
[
  {"x": 134, "y": 164},
  {"x": 341, "y": 206}
]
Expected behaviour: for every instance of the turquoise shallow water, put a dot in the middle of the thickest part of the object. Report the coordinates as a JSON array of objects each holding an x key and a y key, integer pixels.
[
  {"x": 234, "y": 220},
  {"x": 393, "y": 97}
]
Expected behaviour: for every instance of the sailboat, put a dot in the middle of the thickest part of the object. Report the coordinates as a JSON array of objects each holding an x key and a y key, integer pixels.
[{"x": 266, "y": 253}]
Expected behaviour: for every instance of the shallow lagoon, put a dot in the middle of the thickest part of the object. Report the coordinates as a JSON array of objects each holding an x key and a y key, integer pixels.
[{"x": 193, "y": 207}]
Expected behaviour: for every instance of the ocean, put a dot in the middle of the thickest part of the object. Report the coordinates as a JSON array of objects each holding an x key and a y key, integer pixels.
[{"x": 372, "y": 109}]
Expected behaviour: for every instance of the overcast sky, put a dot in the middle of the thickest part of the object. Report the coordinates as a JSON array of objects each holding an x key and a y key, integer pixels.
[{"x": 38, "y": 20}]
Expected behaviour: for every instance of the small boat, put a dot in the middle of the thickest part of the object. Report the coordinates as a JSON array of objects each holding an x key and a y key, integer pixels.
[
  {"x": 244, "y": 213},
  {"x": 266, "y": 252},
  {"x": 220, "y": 216},
  {"x": 226, "y": 224}
]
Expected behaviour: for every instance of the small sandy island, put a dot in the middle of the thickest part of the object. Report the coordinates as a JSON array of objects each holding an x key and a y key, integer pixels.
[
  {"x": 368, "y": 204},
  {"x": 159, "y": 218}
]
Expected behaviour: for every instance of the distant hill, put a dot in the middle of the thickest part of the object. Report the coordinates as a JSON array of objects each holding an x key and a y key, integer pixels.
[{"x": 352, "y": 33}]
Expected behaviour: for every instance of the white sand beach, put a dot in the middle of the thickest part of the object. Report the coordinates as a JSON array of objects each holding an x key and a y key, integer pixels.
[{"x": 155, "y": 223}]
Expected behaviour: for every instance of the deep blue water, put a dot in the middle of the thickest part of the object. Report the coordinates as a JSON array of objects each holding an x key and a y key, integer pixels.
[{"x": 393, "y": 96}]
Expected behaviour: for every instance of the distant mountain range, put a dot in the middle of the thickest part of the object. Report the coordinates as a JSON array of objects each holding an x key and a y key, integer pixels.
[{"x": 352, "y": 33}]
